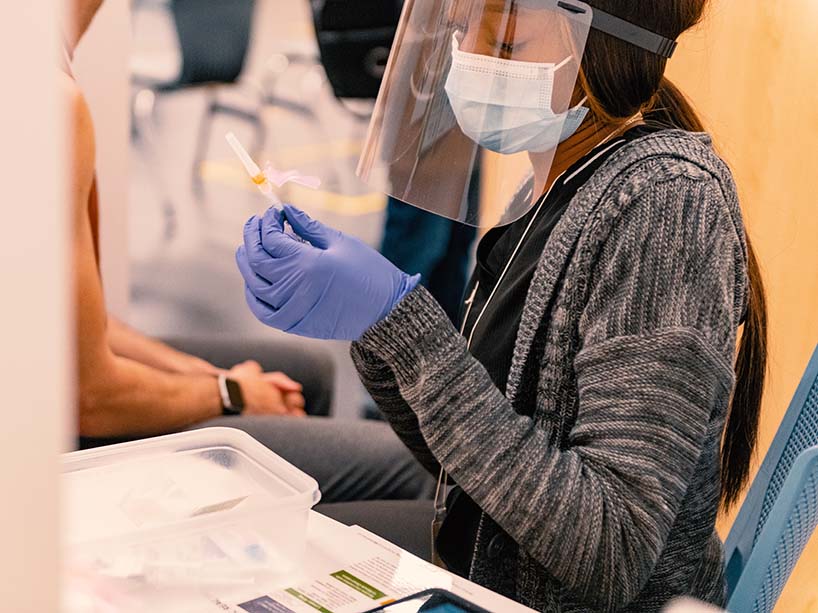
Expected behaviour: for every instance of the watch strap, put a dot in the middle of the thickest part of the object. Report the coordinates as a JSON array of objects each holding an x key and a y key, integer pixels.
[{"x": 228, "y": 408}]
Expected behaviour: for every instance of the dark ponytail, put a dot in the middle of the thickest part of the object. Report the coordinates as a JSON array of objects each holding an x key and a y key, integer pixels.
[
  {"x": 621, "y": 80},
  {"x": 741, "y": 432}
]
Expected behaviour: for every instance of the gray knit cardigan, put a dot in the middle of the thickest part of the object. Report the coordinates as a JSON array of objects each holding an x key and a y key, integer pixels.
[{"x": 598, "y": 471}]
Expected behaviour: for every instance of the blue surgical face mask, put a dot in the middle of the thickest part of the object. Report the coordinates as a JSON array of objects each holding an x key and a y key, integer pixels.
[{"x": 506, "y": 105}]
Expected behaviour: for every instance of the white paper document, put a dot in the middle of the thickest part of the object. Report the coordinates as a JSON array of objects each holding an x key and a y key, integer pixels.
[{"x": 350, "y": 570}]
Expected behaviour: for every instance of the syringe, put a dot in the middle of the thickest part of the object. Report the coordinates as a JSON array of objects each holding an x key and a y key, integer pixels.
[{"x": 256, "y": 175}]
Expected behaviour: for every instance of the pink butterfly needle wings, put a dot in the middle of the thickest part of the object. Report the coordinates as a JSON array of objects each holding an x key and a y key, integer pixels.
[{"x": 279, "y": 178}]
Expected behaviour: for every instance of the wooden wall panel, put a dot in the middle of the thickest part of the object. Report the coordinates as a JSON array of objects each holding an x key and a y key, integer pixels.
[{"x": 752, "y": 70}]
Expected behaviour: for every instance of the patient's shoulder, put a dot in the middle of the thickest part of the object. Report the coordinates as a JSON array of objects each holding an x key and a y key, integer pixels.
[{"x": 79, "y": 124}]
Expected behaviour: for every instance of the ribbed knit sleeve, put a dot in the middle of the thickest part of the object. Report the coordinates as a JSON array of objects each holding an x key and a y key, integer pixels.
[
  {"x": 656, "y": 340},
  {"x": 380, "y": 382}
]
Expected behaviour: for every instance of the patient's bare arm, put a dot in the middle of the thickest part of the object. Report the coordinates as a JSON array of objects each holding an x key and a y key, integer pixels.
[
  {"x": 120, "y": 396},
  {"x": 132, "y": 344}
]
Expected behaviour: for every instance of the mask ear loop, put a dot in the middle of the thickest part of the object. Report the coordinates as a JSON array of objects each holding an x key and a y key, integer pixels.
[
  {"x": 575, "y": 53},
  {"x": 564, "y": 62},
  {"x": 579, "y": 104}
]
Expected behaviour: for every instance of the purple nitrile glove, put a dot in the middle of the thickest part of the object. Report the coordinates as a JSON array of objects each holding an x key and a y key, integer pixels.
[{"x": 331, "y": 287}]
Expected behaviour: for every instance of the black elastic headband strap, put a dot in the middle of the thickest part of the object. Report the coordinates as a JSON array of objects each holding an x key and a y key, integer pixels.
[{"x": 627, "y": 31}]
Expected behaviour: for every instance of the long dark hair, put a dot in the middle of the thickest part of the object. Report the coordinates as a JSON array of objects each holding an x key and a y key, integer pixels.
[{"x": 621, "y": 80}]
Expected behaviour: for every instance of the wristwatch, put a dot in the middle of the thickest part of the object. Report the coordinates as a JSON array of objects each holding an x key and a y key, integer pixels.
[{"x": 232, "y": 398}]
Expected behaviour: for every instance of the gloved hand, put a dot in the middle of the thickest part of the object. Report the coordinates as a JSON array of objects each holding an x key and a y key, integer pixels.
[{"x": 331, "y": 287}]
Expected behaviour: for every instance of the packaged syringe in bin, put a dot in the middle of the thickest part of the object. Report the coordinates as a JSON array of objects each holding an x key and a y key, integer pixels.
[{"x": 175, "y": 522}]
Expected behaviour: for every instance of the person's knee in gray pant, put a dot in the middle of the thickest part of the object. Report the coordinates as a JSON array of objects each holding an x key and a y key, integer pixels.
[{"x": 405, "y": 523}]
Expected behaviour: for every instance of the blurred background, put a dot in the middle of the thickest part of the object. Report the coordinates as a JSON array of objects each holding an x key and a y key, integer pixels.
[
  {"x": 190, "y": 197},
  {"x": 175, "y": 200}
]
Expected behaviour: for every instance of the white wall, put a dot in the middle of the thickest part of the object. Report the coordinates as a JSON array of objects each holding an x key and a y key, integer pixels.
[
  {"x": 34, "y": 340},
  {"x": 101, "y": 65}
]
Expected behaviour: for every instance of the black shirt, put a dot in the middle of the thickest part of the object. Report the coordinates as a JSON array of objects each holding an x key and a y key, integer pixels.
[
  {"x": 495, "y": 334},
  {"x": 492, "y": 334}
]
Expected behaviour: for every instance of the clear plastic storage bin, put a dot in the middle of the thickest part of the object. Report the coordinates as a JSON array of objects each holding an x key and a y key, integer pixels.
[{"x": 177, "y": 522}]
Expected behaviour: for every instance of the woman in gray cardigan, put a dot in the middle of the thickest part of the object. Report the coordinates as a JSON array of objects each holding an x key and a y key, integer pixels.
[{"x": 592, "y": 413}]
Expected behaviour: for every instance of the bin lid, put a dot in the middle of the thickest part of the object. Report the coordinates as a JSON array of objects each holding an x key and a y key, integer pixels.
[{"x": 140, "y": 486}]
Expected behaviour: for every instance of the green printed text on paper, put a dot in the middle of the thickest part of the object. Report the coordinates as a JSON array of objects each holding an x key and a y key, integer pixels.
[
  {"x": 358, "y": 585},
  {"x": 307, "y": 600}
]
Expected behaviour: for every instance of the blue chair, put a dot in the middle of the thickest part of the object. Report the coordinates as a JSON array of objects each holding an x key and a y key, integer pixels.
[{"x": 760, "y": 554}]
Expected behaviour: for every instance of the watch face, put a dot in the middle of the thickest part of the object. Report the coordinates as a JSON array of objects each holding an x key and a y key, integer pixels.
[{"x": 236, "y": 397}]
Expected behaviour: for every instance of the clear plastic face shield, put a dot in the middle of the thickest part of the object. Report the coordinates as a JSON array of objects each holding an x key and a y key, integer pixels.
[
  {"x": 478, "y": 92},
  {"x": 470, "y": 83}
]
